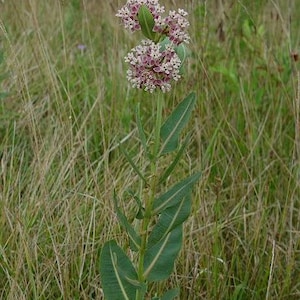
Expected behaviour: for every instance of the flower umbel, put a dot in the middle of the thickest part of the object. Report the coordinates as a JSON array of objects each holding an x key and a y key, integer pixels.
[
  {"x": 177, "y": 25},
  {"x": 128, "y": 13},
  {"x": 151, "y": 67}
]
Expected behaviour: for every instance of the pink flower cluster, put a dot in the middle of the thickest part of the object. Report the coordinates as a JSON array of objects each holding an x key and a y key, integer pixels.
[
  {"x": 128, "y": 13},
  {"x": 174, "y": 25},
  {"x": 151, "y": 64},
  {"x": 177, "y": 25},
  {"x": 152, "y": 67}
]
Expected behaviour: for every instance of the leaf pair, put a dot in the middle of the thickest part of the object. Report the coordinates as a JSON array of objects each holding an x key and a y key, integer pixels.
[
  {"x": 118, "y": 275},
  {"x": 173, "y": 207},
  {"x": 119, "y": 278}
]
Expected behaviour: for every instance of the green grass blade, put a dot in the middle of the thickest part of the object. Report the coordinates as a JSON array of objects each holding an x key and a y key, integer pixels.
[
  {"x": 118, "y": 276},
  {"x": 146, "y": 21},
  {"x": 169, "y": 219},
  {"x": 135, "y": 240},
  {"x": 159, "y": 259},
  {"x": 175, "y": 194},
  {"x": 175, "y": 123}
]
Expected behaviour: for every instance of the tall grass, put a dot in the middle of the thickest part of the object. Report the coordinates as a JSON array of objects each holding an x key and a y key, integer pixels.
[{"x": 67, "y": 109}]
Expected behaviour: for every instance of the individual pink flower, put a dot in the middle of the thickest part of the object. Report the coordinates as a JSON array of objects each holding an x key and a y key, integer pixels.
[
  {"x": 128, "y": 13},
  {"x": 151, "y": 67}
]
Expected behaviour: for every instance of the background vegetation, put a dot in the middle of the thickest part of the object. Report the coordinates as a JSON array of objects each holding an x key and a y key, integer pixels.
[{"x": 65, "y": 105}]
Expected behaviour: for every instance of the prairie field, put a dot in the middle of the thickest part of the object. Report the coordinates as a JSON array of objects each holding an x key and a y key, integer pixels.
[{"x": 66, "y": 108}]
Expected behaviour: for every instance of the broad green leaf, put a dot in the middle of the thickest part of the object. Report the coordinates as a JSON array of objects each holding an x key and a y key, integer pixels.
[
  {"x": 118, "y": 276},
  {"x": 134, "y": 166},
  {"x": 171, "y": 167},
  {"x": 135, "y": 240},
  {"x": 170, "y": 294},
  {"x": 146, "y": 20},
  {"x": 159, "y": 259},
  {"x": 169, "y": 219},
  {"x": 175, "y": 194},
  {"x": 175, "y": 123}
]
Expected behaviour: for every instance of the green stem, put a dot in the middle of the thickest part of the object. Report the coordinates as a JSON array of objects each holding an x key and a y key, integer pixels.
[
  {"x": 150, "y": 194},
  {"x": 157, "y": 128}
]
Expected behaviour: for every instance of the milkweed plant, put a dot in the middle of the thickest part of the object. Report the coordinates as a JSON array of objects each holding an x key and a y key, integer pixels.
[{"x": 156, "y": 236}]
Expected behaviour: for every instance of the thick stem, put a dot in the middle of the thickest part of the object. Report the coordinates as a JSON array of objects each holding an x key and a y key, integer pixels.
[{"x": 150, "y": 193}]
